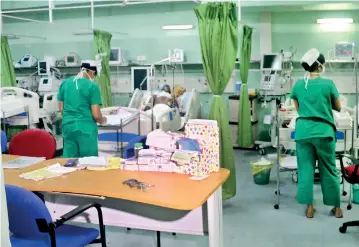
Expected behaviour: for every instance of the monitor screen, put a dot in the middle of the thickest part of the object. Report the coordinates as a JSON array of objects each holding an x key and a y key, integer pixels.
[
  {"x": 272, "y": 61},
  {"x": 344, "y": 50},
  {"x": 114, "y": 54},
  {"x": 70, "y": 59},
  {"x": 26, "y": 59},
  {"x": 45, "y": 81}
]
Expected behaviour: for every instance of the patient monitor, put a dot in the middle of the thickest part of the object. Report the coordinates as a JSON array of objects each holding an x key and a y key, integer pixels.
[
  {"x": 48, "y": 84},
  {"x": 275, "y": 80}
]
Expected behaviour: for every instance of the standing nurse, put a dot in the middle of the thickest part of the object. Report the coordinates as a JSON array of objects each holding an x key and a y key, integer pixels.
[
  {"x": 315, "y": 98},
  {"x": 79, "y": 102}
]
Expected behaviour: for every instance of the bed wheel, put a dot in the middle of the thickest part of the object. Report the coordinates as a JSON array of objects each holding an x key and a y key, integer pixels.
[
  {"x": 262, "y": 151},
  {"x": 349, "y": 207},
  {"x": 344, "y": 193},
  {"x": 276, "y": 206}
]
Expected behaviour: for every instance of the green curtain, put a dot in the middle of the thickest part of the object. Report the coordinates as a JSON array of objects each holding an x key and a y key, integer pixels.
[
  {"x": 218, "y": 31},
  {"x": 103, "y": 45},
  {"x": 245, "y": 135},
  {"x": 8, "y": 78}
]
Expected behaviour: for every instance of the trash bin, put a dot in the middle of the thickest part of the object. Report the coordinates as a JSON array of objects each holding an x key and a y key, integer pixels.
[
  {"x": 355, "y": 193},
  {"x": 261, "y": 171}
]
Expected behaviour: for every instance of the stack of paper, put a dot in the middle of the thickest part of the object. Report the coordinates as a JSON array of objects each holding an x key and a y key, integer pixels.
[
  {"x": 113, "y": 163},
  {"x": 183, "y": 157},
  {"x": 93, "y": 162},
  {"x": 48, "y": 172},
  {"x": 22, "y": 162}
]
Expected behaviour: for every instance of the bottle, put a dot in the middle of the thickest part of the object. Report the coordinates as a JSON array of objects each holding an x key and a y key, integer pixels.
[{"x": 238, "y": 87}]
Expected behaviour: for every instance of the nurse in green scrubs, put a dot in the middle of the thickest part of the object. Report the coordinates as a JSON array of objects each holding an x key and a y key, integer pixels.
[
  {"x": 79, "y": 102},
  {"x": 315, "y": 98}
]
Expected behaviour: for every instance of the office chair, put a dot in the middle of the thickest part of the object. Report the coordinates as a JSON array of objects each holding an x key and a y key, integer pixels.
[
  {"x": 32, "y": 226},
  {"x": 351, "y": 175},
  {"x": 3, "y": 142},
  {"x": 33, "y": 143}
]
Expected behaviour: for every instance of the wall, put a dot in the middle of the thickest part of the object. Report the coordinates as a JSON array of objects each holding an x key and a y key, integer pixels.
[{"x": 144, "y": 36}]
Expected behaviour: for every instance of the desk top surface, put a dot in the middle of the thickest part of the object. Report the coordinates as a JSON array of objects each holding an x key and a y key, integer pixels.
[{"x": 170, "y": 190}]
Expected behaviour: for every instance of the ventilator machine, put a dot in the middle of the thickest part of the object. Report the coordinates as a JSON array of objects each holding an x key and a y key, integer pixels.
[{"x": 50, "y": 77}]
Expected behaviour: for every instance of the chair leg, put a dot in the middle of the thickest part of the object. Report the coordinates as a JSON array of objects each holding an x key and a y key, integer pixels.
[
  {"x": 158, "y": 239},
  {"x": 41, "y": 196},
  {"x": 102, "y": 227},
  {"x": 351, "y": 223}
]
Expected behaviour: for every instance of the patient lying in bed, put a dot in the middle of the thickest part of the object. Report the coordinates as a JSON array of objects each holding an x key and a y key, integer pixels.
[{"x": 162, "y": 105}]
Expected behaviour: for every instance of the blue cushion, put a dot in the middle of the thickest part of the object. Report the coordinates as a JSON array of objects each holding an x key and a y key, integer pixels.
[{"x": 66, "y": 236}]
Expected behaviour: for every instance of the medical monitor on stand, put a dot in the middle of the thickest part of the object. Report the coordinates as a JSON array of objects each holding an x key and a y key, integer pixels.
[{"x": 273, "y": 80}]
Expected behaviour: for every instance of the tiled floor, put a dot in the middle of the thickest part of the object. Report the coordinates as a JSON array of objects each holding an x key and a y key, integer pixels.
[{"x": 251, "y": 221}]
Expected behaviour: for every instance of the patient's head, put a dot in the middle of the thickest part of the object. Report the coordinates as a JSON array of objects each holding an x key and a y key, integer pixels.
[{"x": 165, "y": 88}]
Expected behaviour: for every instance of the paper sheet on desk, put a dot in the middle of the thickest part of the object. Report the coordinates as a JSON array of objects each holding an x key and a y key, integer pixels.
[
  {"x": 22, "y": 162},
  {"x": 48, "y": 172},
  {"x": 113, "y": 163},
  {"x": 93, "y": 162}
]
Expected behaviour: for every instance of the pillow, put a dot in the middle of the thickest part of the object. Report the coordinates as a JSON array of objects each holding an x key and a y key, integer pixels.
[{"x": 183, "y": 101}]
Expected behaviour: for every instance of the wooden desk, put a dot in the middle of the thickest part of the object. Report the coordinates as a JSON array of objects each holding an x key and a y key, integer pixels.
[{"x": 171, "y": 192}]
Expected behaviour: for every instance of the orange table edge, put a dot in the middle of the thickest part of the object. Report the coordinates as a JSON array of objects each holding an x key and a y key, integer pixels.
[{"x": 171, "y": 190}]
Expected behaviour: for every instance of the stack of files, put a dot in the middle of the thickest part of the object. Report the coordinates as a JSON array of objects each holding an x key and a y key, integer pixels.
[
  {"x": 22, "y": 162},
  {"x": 113, "y": 163},
  {"x": 93, "y": 162},
  {"x": 183, "y": 157},
  {"x": 48, "y": 172}
]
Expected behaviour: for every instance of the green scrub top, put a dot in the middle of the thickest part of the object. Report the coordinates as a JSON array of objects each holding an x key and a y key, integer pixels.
[
  {"x": 77, "y": 100},
  {"x": 315, "y": 108}
]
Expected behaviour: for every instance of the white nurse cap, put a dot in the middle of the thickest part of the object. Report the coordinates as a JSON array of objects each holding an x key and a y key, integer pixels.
[{"x": 310, "y": 57}]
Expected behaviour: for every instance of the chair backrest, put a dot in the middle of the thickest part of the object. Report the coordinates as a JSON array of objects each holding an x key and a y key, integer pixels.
[
  {"x": 24, "y": 207},
  {"x": 33, "y": 143},
  {"x": 3, "y": 141}
]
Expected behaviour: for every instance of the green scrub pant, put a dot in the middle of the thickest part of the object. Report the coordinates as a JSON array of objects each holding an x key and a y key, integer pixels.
[
  {"x": 308, "y": 152},
  {"x": 79, "y": 145}
]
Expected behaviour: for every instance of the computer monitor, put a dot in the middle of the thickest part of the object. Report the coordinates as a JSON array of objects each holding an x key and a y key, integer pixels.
[
  {"x": 43, "y": 68},
  {"x": 344, "y": 50},
  {"x": 71, "y": 60},
  {"x": 115, "y": 56},
  {"x": 272, "y": 62}
]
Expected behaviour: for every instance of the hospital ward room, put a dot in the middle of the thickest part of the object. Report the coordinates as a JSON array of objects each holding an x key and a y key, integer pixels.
[{"x": 199, "y": 123}]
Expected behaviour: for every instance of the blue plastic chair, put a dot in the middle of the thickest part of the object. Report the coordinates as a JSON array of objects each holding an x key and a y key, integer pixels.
[
  {"x": 3, "y": 142},
  {"x": 32, "y": 226},
  {"x": 130, "y": 151}
]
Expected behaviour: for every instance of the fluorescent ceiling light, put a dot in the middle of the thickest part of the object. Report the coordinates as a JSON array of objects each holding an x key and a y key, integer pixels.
[
  {"x": 335, "y": 21},
  {"x": 177, "y": 27}
]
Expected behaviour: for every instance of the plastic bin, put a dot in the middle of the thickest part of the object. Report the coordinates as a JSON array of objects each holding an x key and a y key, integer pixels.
[
  {"x": 355, "y": 193},
  {"x": 261, "y": 172}
]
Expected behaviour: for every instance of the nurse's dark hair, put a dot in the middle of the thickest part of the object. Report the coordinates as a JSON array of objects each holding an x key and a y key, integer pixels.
[
  {"x": 315, "y": 66},
  {"x": 87, "y": 66}
]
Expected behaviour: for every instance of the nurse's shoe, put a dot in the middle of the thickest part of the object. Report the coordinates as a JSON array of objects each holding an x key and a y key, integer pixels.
[
  {"x": 337, "y": 212},
  {"x": 310, "y": 211}
]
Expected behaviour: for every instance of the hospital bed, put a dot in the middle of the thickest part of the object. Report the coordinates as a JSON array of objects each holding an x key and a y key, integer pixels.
[
  {"x": 343, "y": 121},
  {"x": 120, "y": 130},
  {"x": 19, "y": 106},
  {"x": 141, "y": 99}
]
